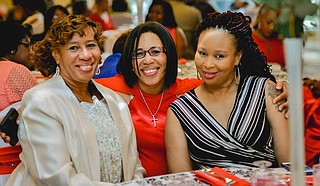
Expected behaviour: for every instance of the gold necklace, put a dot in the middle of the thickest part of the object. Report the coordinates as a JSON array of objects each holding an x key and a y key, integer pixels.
[{"x": 153, "y": 119}]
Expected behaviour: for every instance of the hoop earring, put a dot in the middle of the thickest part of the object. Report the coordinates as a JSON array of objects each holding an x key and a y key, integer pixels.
[
  {"x": 57, "y": 70},
  {"x": 12, "y": 51},
  {"x": 98, "y": 71},
  {"x": 237, "y": 74},
  {"x": 198, "y": 75}
]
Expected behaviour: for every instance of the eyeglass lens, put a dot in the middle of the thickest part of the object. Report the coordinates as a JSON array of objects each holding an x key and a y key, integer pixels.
[{"x": 153, "y": 51}]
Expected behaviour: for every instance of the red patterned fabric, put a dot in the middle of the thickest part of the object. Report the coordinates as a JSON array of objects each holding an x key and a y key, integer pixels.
[
  {"x": 312, "y": 127},
  {"x": 15, "y": 79},
  {"x": 150, "y": 140}
]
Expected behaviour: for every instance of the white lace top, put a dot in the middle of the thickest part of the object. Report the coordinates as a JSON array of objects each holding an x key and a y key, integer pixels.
[{"x": 108, "y": 139}]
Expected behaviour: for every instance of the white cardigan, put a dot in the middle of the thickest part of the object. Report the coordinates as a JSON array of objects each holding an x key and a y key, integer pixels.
[{"x": 59, "y": 142}]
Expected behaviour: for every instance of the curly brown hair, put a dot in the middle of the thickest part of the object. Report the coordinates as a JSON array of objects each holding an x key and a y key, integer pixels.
[{"x": 57, "y": 36}]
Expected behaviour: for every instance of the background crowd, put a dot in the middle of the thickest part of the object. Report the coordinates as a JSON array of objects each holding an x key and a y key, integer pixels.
[{"x": 73, "y": 107}]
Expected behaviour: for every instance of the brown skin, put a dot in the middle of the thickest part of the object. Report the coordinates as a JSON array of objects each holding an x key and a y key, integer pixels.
[
  {"x": 21, "y": 55},
  {"x": 266, "y": 20},
  {"x": 215, "y": 59}
]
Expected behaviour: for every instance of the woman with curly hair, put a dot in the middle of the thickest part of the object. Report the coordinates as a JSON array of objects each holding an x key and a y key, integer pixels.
[
  {"x": 230, "y": 119},
  {"x": 70, "y": 129}
]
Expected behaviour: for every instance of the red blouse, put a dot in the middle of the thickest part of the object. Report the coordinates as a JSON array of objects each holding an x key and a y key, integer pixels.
[
  {"x": 150, "y": 139},
  {"x": 272, "y": 49}
]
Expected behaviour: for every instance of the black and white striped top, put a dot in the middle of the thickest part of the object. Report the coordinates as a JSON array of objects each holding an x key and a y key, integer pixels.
[{"x": 247, "y": 138}]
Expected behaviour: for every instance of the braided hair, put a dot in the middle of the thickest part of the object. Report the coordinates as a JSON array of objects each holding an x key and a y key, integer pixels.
[{"x": 252, "y": 62}]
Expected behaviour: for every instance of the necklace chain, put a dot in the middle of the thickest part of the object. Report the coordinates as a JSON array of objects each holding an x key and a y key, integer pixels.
[{"x": 153, "y": 119}]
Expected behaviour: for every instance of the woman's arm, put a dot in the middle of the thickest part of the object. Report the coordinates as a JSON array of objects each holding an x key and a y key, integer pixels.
[
  {"x": 279, "y": 124},
  {"x": 178, "y": 158}
]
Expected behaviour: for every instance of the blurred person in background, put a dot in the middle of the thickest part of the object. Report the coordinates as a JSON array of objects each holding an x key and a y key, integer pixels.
[
  {"x": 187, "y": 18},
  {"x": 265, "y": 35},
  {"x": 204, "y": 7},
  {"x": 15, "y": 79},
  {"x": 53, "y": 15},
  {"x": 15, "y": 44},
  {"x": 100, "y": 14},
  {"x": 121, "y": 15},
  {"x": 238, "y": 4},
  {"x": 108, "y": 68},
  {"x": 80, "y": 7},
  {"x": 34, "y": 11},
  {"x": 16, "y": 13},
  {"x": 311, "y": 105},
  {"x": 161, "y": 12}
]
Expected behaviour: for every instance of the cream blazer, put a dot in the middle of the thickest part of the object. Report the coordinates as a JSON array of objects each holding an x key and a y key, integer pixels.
[{"x": 59, "y": 142}]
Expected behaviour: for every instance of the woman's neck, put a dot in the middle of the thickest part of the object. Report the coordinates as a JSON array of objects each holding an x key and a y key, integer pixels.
[
  {"x": 152, "y": 90},
  {"x": 220, "y": 91},
  {"x": 81, "y": 91}
]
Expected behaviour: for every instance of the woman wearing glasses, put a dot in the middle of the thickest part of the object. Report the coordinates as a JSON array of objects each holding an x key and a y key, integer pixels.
[
  {"x": 148, "y": 82},
  {"x": 15, "y": 64},
  {"x": 15, "y": 79}
]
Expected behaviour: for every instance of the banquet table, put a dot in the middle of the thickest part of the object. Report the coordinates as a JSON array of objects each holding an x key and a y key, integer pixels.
[{"x": 189, "y": 178}]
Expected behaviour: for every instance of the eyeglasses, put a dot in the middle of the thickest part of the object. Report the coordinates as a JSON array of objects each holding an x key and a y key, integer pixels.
[
  {"x": 26, "y": 44},
  {"x": 153, "y": 51}
]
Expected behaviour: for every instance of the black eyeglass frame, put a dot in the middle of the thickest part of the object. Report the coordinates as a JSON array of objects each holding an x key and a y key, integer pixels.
[
  {"x": 26, "y": 44},
  {"x": 159, "y": 50}
]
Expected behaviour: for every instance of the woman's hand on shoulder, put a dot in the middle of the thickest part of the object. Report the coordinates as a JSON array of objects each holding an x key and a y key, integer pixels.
[{"x": 280, "y": 98}]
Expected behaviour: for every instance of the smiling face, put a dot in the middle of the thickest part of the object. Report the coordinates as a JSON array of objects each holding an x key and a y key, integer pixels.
[
  {"x": 156, "y": 14},
  {"x": 150, "y": 69},
  {"x": 79, "y": 58},
  {"x": 216, "y": 57}
]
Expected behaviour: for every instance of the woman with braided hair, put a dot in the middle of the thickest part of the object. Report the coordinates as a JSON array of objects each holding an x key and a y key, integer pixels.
[{"x": 230, "y": 119}]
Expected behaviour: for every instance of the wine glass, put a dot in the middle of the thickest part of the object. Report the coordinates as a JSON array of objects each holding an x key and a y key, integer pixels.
[{"x": 261, "y": 177}]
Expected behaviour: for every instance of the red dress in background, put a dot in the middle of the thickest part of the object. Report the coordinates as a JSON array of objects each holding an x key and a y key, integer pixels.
[
  {"x": 272, "y": 49},
  {"x": 104, "y": 19},
  {"x": 173, "y": 33},
  {"x": 150, "y": 140},
  {"x": 312, "y": 127}
]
